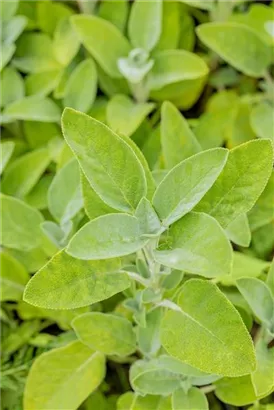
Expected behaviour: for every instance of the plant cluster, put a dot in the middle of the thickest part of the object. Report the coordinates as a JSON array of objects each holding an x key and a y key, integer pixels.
[{"x": 137, "y": 203}]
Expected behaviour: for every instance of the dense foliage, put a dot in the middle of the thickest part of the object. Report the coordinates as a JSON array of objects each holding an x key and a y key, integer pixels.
[{"x": 137, "y": 205}]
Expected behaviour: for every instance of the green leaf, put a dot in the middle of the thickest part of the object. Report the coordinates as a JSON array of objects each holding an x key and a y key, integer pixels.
[
  {"x": 238, "y": 45},
  {"x": 13, "y": 278},
  {"x": 109, "y": 334},
  {"x": 21, "y": 225},
  {"x": 106, "y": 160},
  {"x": 93, "y": 204},
  {"x": 149, "y": 337},
  {"x": 13, "y": 87},
  {"x": 106, "y": 237},
  {"x": 116, "y": 12},
  {"x": 178, "y": 141},
  {"x": 23, "y": 174},
  {"x": 124, "y": 116},
  {"x": 258, "y": 296},
  {"x": 238, "y": 231},
  {"x": 148, "y": 219},
  {"x": 95, "y": 34},
  {"x": 53, "y": 376},
  {"x": 270, "y": 278},
  {"x": 49, "y": 14},
  {"x": 262, "y": 378},
  {"x": 187, "y": 31},
  {"x": 8, "y": 9},
  {"x": 238, "y": 391},
  {"x": 64, "y": 194},
  {"x": 34, "y": 108},
  {"x": 148, "y": 402},
  {"x": 38, "y": 133},
  {"x": 241, "y": 182},
  {"x": 197, "y": 244},
  {"x": 186, "y": 184},
  {"x": 81, "y": 88},
  {"x": 68, "y": 283},
  {"x": 7, "y": 148},
  {"x": 149, "y": 377},
  {"x": 42, "y": 84},
  {"x": 170, "y": 26},
  {"x": 172, "y": 66},
  {"x": 12, "y": 29},
  {"x": 65, "y": 43},
  {"x": 145, "y": 24},
  {"x": 194, "y": 398},
  {"x": 206, "y": 318},
  {"x": 261, "y": 119},
  {"x": 34, "y": 54},
  {"x": 20, "y": 336}
]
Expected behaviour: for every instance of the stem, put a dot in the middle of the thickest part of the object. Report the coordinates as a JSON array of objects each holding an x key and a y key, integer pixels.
[
  {"x": 139, "y": 91},
  {"x": 208, "y": 389}
]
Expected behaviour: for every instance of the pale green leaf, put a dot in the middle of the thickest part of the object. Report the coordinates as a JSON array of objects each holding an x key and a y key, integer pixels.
[
  {"x": 149, "y": 337},
  {"x": 12, "y": 86},
  {"x": 12, "y": 29},
  {"x": 197, "y": 244},
  {"x": 63, "y": 377},
  {"x": 262, "y": 378},
  {"x": 107, "y": 236},
  {"x": 241, "y": 182},
  {"x": 172, "y": 66},
  {"x": 178, "y": 141},
  {"x": 34, "y": 108},
  {"x": 107, "y": 333},
  {"x": 116, "y": 12},
  {"x": 238, "y": 45},
  {"x": 148, "y": 219},
  {"x": 124, "y": 116},
  {"x": 238, "y": 231},
  {"x": 149, "y": 377},
  {"x": 194, "y": 398},
  {"x": 68, "y": 283},
  {"x": 23, "y": 174},
  {"x": 103, "y": 40},
  {"x": 50, "y": 13},
  {"x": 65, "y": 43},
  {"x": 238, "y": 391},
  {"x": 6, "y": 150},
  {"x": 34, "y": 54},
  {"x": 64, "y": 194},
  {"x": 42, "y": 84},
  {"x": 145, "y": 24},
  {"x": 262, "y": 120},
  {"x": 258, "y": 296},
  {"x": 80, "y": 90},
  {"x": 21, "y": 225},
  {"x": 185, "y": 185},
  {"x": 13, "y": 278},
  {"x": 207, "y": 332},
  {"x": 106, "y": 161},
  {"x": 149, "y": 402},
  {"x": 8, "y": 9}
]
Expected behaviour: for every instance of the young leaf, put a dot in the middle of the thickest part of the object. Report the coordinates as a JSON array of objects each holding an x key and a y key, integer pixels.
[
  {"x": 13, "y": 278},
  {"x": 6, "y": 150},
  {"x": 34, "y": 108},
  {"x": 197, "y": 244},
  {"x": 124, "y": 116},
  {"x": 82, "y": 283},
  {"x": 109, "y": 334},
  {"x": 106, "y": 161},
  {"x": 194, "y": 398},
  {"x": 64, "y": 194},
  {"x": 96, "y": 34},
  {"x": 64, "y": 377},
  {"x": 149, "y": 337},
  {"x": 186, "y": 184},
  {"x": 241, "y": 182},
  {"x": 23, "y": 174},
  {"x": 21, "y": 225},
  {"x": 237, "y": 44},
  {"x": 238, "y": 231},
  {"x": 238, "y": 391},
  {"x": 258, "y": 296},
  {"x": 178, "y": 141},
  {"x": 106, "y": 237},
  {"x": 80, "y": 90},
  {"x": 206, "y": 318},
  {"x": 149, "y": 377},
  {"x": 148, "y": 219},
  {"x": 65, "y": 43},
  {"x": 145, "y": 24},
  {"x": 261, "y": 119}
]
